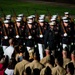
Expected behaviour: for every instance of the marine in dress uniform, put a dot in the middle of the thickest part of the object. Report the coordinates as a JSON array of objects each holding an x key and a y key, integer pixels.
[
  {"x": 57, "y": 31},
  {"x": 67, "y": 14},
  {"x": 19, "y": 32},
  {"x": 24, "y": 20},
  {"x": 29, "y": 35},
  {"x": 71, "y": 24},
  {"x": 7, "y": 33},
  {"x": 40, "y": 37},
  {"x": 35, "y": 25},
  {"x": 66, "y": 34},
  {"x": 50, "y": 37},
  {"x": 9, "y": 17}
]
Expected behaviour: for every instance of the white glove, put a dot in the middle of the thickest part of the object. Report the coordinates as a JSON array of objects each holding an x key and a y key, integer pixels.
[
  {"x": 17, "y": 36},
  {"x": 5, "y": 37},
  {"x": 72, "y": 43},
  {"x": 35, "y": 45},
  {"x": 64, "y": 45},
  {"x": 41, "y": 36},
  {"x": 47, "y": 42},
  {"x": 60, "y": 43},
  {"x": 23, "y": 43},
  {"x": 29, "y": 37},
  {"x": 65, "y": 34}
]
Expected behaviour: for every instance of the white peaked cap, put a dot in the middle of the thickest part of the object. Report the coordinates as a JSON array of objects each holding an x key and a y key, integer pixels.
[
  {"x": 52, "y": 23},
  {"x": 33, "y": 16},
  {"x": 42, "y": 15},
  {"x": 41, "y": 21},
  {"x": 29, "y": 22},
  {"x": 41, "y": 18},
  {"x": 66, "y": 13},
  {"x": 65, "y": 21},
  {"x": 21, "y": 15},
  {"x": 53, "y": 19},
  {"x": 8, "y": 17},
  {"x": 54, "y": 16},
  {"x": 19, "y": 18},
  {"x": 6, "y": 21},
  {"x": 64, "y": 18},
  {"x": 30, "y": 17}
]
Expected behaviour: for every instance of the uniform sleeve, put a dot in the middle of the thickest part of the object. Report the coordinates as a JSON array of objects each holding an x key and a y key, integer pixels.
[
  {"x": 46, "y": 39},
  {"x": 16, "y": 71},
  {"x": 54, "y": 71},
  {"x": 42, "y": 71}
]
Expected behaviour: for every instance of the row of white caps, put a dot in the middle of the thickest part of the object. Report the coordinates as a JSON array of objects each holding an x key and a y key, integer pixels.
[
  {"x": 31, "y": 16},
  {"x": 41, "y": 17}
]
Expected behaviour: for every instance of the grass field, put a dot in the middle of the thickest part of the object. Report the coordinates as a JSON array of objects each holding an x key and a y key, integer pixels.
[{"x": 29, "y": 8}]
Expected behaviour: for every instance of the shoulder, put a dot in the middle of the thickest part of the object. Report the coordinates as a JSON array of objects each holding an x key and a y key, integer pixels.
[
  {"x": 54, "y": 70},
  {"x": 43, "y": 60},
  {"x": 42, "y": 71},
  {"x": 27, "y": 65}
]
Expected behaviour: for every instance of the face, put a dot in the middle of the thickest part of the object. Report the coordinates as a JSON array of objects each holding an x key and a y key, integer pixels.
[
  {"x": 55, "y": 61},
  {"x": 72, "y": 56},
  {"x": 51, "y": 26},
  {"x": 41, "y": 24},
  {"x": 30, "y": 26},
  {"x": 31, "y": 20},
  {"x": 65, "y": 24},
  {"x": 18, "y": 24},
  {"x": 6, "y": 25},
  {"x": 64, "y": 53},
  {"x": 66, "y": 15},
  {"x": 47, "y": 52}
]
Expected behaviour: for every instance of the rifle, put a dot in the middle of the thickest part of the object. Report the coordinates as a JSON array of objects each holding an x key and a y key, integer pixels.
[
  {"x": 36, "y": 14},
  {"x": 63, "y": 27},
  {"x": 49, "y": 16},
  {"x": 39, "y": 28},
  {"x": 14, "y": 17},
  {"x": 14, "y": 12},
  {"x": 5, "y": 34}
]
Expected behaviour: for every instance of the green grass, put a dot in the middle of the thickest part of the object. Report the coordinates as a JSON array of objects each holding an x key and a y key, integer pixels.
[{"x": 29, "y": 8}]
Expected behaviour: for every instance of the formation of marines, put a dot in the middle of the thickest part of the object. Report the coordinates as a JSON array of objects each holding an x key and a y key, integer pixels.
[
  {"x": 36, "y": 32},
  {"x": 47, "y": 39}
]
